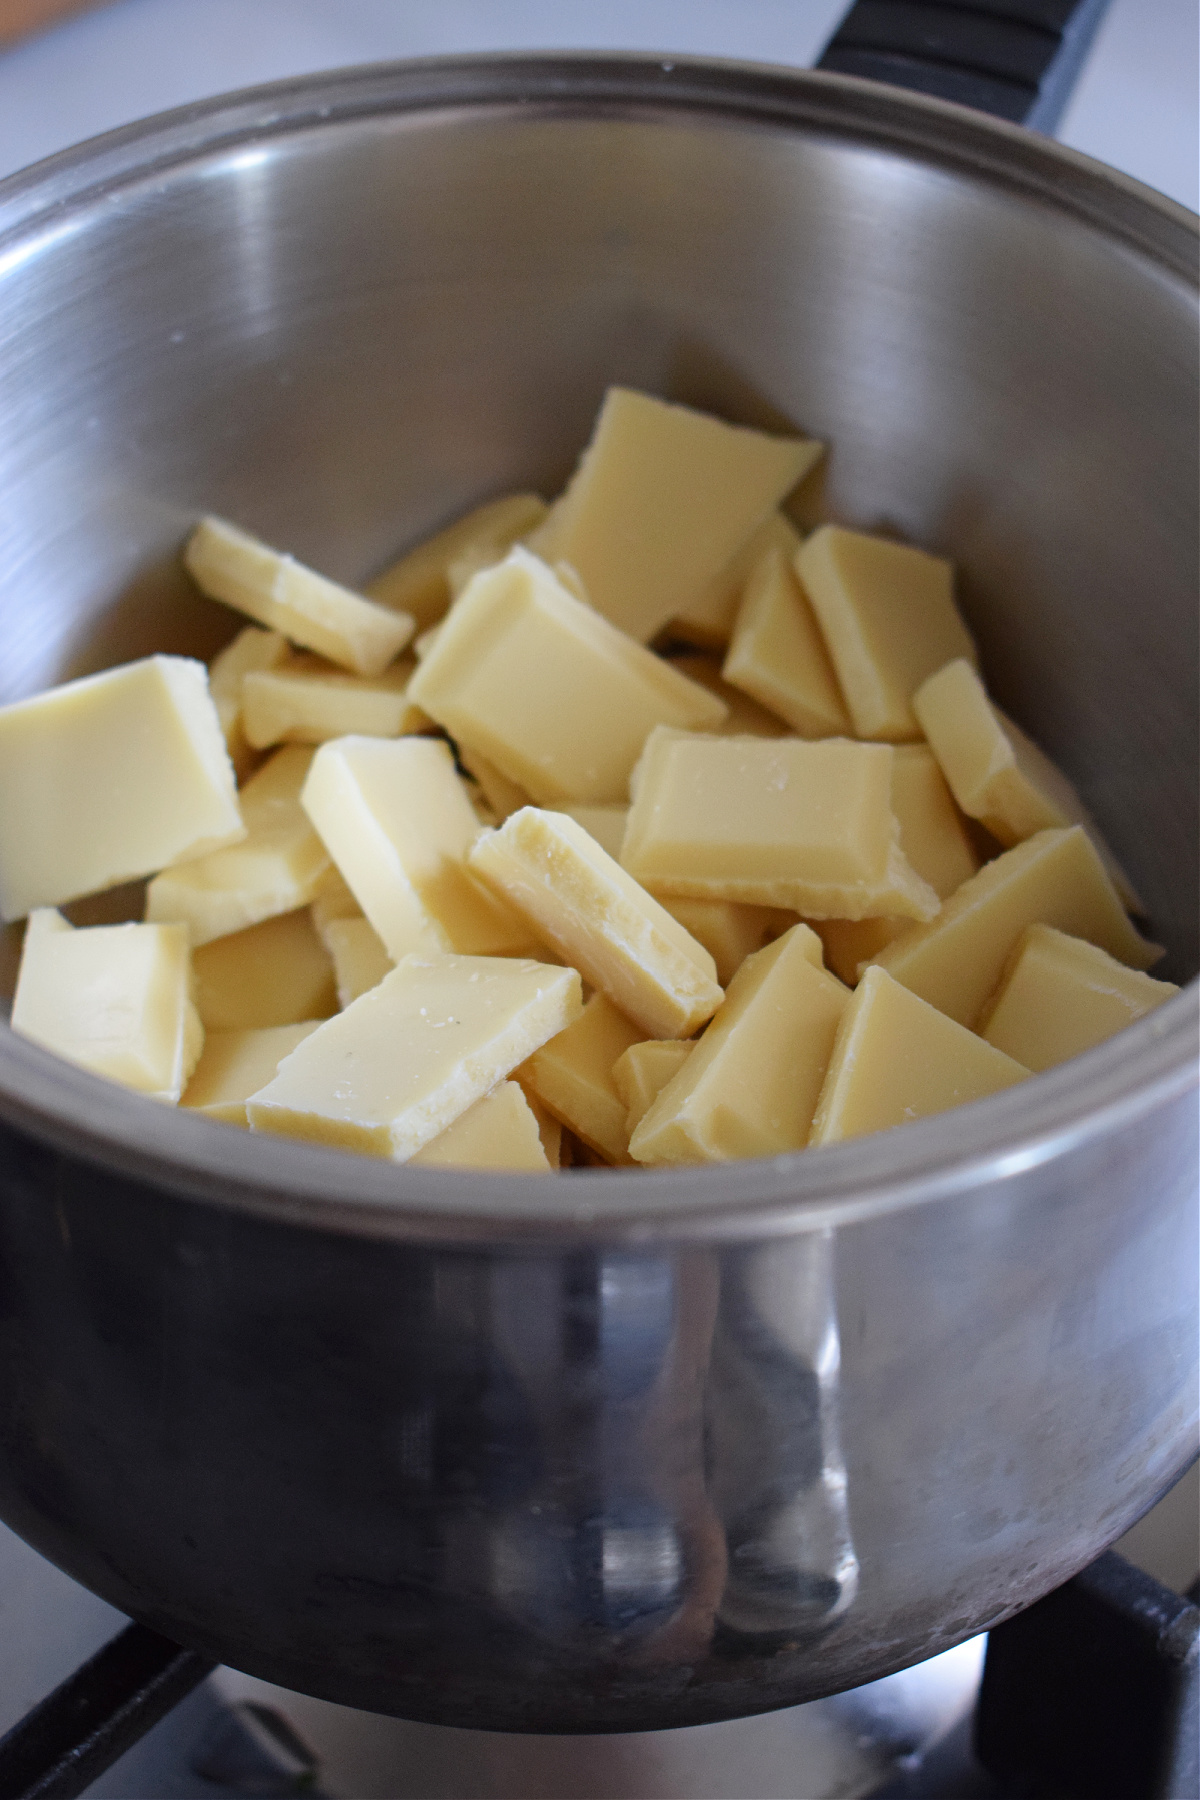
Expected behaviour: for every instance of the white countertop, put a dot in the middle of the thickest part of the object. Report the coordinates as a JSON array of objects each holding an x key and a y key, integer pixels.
[{"x": 1135, "y": 106}]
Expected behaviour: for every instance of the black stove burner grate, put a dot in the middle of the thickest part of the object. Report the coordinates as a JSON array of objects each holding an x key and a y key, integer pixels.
[
  {"x": 71, "y": 1737},
  {"x": 1095, "y": 1692}
]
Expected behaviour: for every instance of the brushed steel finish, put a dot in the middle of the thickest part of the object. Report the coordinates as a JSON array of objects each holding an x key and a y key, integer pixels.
[{"x": 617, "y": 1451}]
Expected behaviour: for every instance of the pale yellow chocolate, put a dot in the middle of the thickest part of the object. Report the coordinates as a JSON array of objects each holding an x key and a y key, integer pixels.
[
  {"x": 408, "y": 1057},
  {"x": 848, "y": 943},
  {"x": 1060, "y": 995},
  {"x": 499, "y": 795},
  {"x": 773, "y": 822},
  {"x": 396, "y": 820},
  {"x": 333, "y": 900},
  {"x": 116, "y": 999},
  {"x": 276, "y": 973},
  {"x": 605, "y": 823},
  {"x": 897, "y": 1059},
  {"x": 572, "y": 580},
  {"x": 1053, "y": 878},
  {"x": 360, "y": 960},
  {"x": 277, "y": 867},
  {"x": 583, "y": 903},
  {"x": 642, "y": 1072},
  {"x": 932, "y": 836},
  {"x": 997, "y": 774},
  {"x": 235, "y": 1064},
  {"x": 572, "y": 1075},
  {"x": 550, "y": 1129},
  {"x": 778, "y": 656},
  {"x": 419, "y": 583},
  {"x": 309, "y": 609},
  {"x": 251, "y": 651},
  {"x": 306, "y": 700},
  {"x": 888, "y": 617},
  {"x": 745, "y": 717},
  {"x": 750, "y": 1085},
  {"x": 108, "y": 779},
  {"x": 729, "y": 930},
  {"x": 708, "y": 620},
  {"x": 499, "y": 1132},
  {"x": 546, "y": 689},
  {"x": 663, "y": 498}
]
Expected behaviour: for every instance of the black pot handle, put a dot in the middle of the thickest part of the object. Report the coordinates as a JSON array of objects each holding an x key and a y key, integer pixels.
[{"x": 1017, "y": 59}]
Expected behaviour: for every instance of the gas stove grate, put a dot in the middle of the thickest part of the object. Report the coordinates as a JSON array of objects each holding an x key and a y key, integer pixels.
[{"x": 59, "y": 1748}]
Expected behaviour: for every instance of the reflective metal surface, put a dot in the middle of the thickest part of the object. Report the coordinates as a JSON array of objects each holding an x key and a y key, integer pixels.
[{"x": 618, "y": 1451}]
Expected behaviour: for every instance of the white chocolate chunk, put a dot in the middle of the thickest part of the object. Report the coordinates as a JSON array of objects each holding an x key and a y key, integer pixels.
[
  {"x": 1061, "y": 995},
  {"x": 572, "y": 1075},
  {"x": 888, "y": 617},
  {"x": 306, "y": 700},
  {"x": 1053, "y": 878},
  {"x": 250, "y": 651},
  {"x": 420, "y": 583},
  {"x": 332, "y": 900},
  {"x": 1038, "y": 768},
  {"x": 584, "y": 904},
  {"x": 729, "y": 930},
  {"x": 750, "y": 1086},
  {"x": 498, "y": 1132},
  {"x": 276, "y": 973},
  {"x": 410, "y": 1056},
  {"x": 571, "y": 579},
  {"x": 778, "y": 656},
  {"x": 849, "y": 943},
  {"x": 708, "y": 619},
  {"x": 932, "y": 834},
  {"x": 282, "y": 594},
  {"x": 745, "y": 717},
  {"x": 773, "y": 822},
  {"x": 107, "y": 779},
  {"x": 997, "y": 774},
  {"x": 642, "y": 1072},
  {"x": 278, "y": 866},
  {"x": 497, "y": 796},
  {"x": 575, "y": 729},
  {"x": 360, "y": 960},
  {"x": 396, "y": 820},
  {"x": 897, "y": 1059},
  {"x": 935, "y": 841},
  {"x": 235, "y": 1064},
  {"x": 663, "y": 498},
  {"x": 605, "y": 823},
  {"x": 116, "y": 999},
  {"x": 550, "y": 1129}
]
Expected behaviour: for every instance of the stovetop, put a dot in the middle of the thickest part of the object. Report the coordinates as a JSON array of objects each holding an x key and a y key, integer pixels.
[{"x": 1135, "y": 106}]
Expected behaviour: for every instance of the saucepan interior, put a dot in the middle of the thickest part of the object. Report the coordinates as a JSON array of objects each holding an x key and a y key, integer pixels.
[{"x": 341, "y": 311}]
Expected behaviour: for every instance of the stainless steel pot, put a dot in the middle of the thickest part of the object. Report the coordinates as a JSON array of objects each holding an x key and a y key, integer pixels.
[{"x": 620, "y": 1450}]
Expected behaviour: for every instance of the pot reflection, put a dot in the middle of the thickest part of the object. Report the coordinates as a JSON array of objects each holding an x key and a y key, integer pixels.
[
  {"x": 684, "y": 1474},
  {"x": 610, "y": 1541},
  {"x": 776, "y": 1473}
]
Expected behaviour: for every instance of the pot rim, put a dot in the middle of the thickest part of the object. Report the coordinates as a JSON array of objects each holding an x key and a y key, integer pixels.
[
  {"x": 1146, "y": 1068},
  {"x": 52, "y": 191}
]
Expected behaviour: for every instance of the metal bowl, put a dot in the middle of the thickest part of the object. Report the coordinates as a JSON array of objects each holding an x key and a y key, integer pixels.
[{"x": 620, "y": 1450}]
